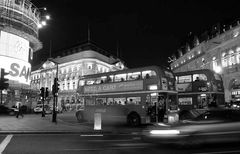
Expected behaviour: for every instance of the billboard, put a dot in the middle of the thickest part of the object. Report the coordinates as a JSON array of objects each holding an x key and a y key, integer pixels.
[
  {"x": 19, "y": 71},
  {"x": 14, "y": 46}
]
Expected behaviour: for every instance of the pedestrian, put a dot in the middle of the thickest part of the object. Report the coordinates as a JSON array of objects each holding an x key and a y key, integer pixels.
[{"x": 19, "y": 109}]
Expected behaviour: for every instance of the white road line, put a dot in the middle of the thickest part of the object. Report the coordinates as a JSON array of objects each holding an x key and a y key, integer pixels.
[
  {"x": 5, "y": 142},
  {"x": 110, "y": 140},
  {"x": 219, "y": 152},
  {"x": 102, "y": 149}
]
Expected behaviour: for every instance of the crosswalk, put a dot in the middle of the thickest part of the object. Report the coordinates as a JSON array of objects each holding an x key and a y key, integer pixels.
[{"x": 5, "y": 142}]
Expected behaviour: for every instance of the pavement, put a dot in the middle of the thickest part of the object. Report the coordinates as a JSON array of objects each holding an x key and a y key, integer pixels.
[
  {"x": 35, "y": 123},
  {"x": 66, "y": 123}
]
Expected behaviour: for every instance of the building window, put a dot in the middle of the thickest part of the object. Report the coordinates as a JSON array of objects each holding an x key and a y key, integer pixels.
[
  {"x": 89, "y": 66},
  {"x": 68, "y": 86},
  {"x": 215, "y": 65},
  {"x": 224, "y": 60},
  {"x": 238, "y": 55},
  {"x": 231, "y": 58},
  {"x": 74, "y": 85}
]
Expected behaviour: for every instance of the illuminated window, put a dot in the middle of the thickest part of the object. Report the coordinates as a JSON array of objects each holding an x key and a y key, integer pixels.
[
  {"x": 100, "y": 80},
  {"x": 101, "y": 101},
  {"x": 231, "y": 58},
  {"x": 74, "y": 85},
  {"x": 238, "y": 55},
  {"x": 185, "y": 79},
  {"x": 200, "y": 77},
  {"x": 214, "y": 63},
  {"x": 148, "y": 74},
  {"x": 120, "y": 77},
  {"x": 81, "y": 83},
  {"x": 134, "y": 76},
  {"x": 119, "y": 101},
  {"x": 89, "y": 66},
  {"x": 68, "y": 86},
  {"x": 224, "y": 60},
  {"x": 90, "y": 81},
  {"x": 133, "y": 100}
]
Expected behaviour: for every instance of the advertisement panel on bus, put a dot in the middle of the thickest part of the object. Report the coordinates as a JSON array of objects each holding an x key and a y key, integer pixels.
[{"x": 114, "y": 87}]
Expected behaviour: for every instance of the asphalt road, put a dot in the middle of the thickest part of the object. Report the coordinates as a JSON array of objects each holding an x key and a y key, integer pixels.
[{"x": 98, "y": 143}]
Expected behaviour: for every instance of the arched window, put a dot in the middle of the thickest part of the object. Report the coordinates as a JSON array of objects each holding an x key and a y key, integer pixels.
[
  {"x": 238, "y": 55},
  {"x": 224, "y": 60},
  {"x": 231, "y": 56},
  {"x": 214, "y": 62}
]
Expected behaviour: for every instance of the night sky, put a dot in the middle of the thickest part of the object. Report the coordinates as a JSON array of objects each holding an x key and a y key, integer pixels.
[{"x": 143, "y": 32}]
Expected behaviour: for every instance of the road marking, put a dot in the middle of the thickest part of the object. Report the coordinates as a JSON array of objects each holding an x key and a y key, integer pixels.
[
  {"x": 110, "y": 140},
  {"x": 5, "y": 142},
  {"x": 92, "y": 135},
  {"x": 219, "y": 152},
  {"x": 132, "y": 144},
  {"x": 102, "y": 149}
]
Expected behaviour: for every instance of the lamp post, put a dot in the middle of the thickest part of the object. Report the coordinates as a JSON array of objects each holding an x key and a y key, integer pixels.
[{"x": 55, "y": 96}]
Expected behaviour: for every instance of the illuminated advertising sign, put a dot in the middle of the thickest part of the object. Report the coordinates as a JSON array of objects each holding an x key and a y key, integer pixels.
[
  {"x": 114, "y": 87},
  {"x": 14, "y": 46},
  {"x": 18, "y": 70}
]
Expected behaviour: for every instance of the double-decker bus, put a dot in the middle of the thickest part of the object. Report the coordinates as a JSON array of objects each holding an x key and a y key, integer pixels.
[
  {"x": 136, "y": 96},
  {"x": 199, "y": 89}
]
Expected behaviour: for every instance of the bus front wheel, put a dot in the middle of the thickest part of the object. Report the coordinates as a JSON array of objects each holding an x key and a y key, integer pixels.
[
  {"x": 133, "y": 119},
  {"x": 79, "y": 116}
]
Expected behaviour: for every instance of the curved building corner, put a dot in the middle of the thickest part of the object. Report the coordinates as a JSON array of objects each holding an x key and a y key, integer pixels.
[{"x": 19, "y": 22}]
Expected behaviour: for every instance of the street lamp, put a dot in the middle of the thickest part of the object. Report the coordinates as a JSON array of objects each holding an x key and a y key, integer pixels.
[{"x": 55, "y": 96}]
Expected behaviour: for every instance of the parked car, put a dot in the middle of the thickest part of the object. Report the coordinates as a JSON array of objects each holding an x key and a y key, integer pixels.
[
  {"x": 39, "y": 109},
  {"x": 6, "y": 110},
  {"x": 207, "y": 126}
]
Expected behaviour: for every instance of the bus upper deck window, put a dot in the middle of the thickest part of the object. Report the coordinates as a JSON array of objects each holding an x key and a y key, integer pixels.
[
  {"x": 148, "y": 74},
  {"x": 134, "y": 76},
  {"x": 199, "y": 77},
  {"x": 120, "y": 77}
]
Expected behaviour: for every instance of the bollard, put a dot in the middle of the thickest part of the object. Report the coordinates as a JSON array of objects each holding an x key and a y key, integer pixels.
[{"x": 97, "y": 121}]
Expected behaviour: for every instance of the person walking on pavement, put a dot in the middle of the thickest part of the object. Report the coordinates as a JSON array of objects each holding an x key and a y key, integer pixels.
[{"x": 19, "y": 109}]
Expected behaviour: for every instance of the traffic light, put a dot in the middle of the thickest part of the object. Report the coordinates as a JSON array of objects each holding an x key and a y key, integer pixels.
[
  {"x": 53, "y": 89},
  {"x": 3, "y": 80},
  {"x": 42, "y": 92},
  {"x": 46, "y": 93},
  {"x": 56, "y": 85}
]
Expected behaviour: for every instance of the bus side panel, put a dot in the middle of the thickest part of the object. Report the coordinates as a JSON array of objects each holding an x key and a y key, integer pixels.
[
  {"x": 186, "y": 102},
  {"x": 88, "y": 113}
]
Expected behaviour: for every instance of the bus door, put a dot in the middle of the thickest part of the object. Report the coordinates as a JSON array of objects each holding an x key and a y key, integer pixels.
[
  {"x": 171, "y": 114},
  {"x": 202, "y": 101},
  {"x": 157, "y": 107}
]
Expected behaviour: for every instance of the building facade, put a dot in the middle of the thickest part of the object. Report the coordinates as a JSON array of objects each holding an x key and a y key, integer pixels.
[
  {"x": 220, "y": 54},
  {"x": 77, "y": 61},
  {"x": 19, "y": 23}
]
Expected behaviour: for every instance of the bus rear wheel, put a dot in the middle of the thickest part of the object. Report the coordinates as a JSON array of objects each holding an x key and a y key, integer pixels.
[
  {"x": 79, "y": 116},
  {"x": 133, "y": 119}
]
